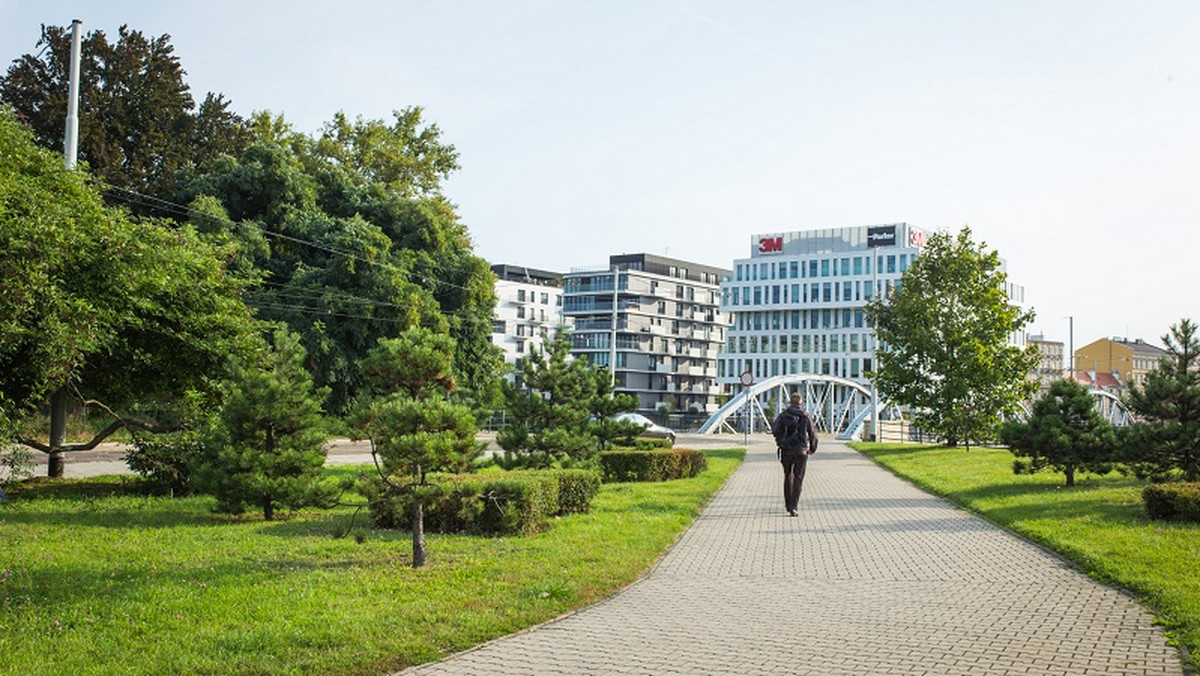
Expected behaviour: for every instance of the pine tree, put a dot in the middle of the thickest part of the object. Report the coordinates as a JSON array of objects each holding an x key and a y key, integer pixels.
[
  {"x": 562, "y": 416},
  {"x": 1065, "y": 433},
  {"x": 413, "y": 428},
  {"x": 267, "y": 449},
  {"x": 1166, "y": 443}
]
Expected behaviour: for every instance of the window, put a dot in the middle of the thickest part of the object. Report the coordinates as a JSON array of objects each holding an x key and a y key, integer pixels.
[
  {"x": 845, "y": 266},
  {"x": 520, "y": 295},
  {"x": 858, "y": 268},
  {"x": 825, "y": 267},
  {"x": 520, "y": 311},
  {"x": 545, "y": 299}
]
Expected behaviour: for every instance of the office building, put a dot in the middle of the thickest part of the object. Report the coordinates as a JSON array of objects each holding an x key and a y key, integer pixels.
[{"x": 797, "y": 303}]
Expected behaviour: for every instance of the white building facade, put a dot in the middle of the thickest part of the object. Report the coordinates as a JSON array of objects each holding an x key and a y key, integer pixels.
[
  {"x": 668, "y": 328},
  {"x": 528, "y": 309},
  {"x": 797, "y": 303}
]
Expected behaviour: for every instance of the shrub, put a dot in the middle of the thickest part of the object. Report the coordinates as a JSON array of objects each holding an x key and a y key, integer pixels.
[
  {"x": 659, "y": 465},
  {"x": 500, "y": 504},
  {"x": 16, "y": 463},
  {"x": 168, "y": 461},
  {"x": 576, "y": 488},
  {"x": 1177, "y": 501}
]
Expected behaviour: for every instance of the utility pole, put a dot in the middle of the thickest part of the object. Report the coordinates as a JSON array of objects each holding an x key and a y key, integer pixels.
[
  {"x": 71, "y": 141},
  {"x": 1071, "y": 345},
  {"x": 58, "y": 400}
]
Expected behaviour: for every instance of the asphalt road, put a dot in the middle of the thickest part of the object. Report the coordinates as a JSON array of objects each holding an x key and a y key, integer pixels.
[{"x": 110, "y": 458}]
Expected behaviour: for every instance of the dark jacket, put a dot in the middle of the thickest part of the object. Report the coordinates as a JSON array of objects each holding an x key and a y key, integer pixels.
[{"x": 809, "y": 443}]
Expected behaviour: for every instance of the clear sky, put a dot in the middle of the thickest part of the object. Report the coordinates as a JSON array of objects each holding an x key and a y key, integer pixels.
[{"x": 1065, "y": 133}]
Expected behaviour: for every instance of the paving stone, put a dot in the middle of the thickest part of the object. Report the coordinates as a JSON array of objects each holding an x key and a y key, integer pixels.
[{"x": 874, "y": 577}]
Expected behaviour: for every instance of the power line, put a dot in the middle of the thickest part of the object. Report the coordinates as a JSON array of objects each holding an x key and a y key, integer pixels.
[{"x": 133, "y": 197}]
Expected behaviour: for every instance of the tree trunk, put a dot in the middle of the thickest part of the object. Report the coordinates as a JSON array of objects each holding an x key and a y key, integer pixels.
[
  {"x": 58, "y": 432},
  {"x": 268, "y": 509},
  {"x": 1069, "y": 470},
  {"x": 418, "y": 534}
]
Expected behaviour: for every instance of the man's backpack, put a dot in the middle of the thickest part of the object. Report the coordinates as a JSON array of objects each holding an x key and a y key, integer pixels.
[{"x": 790, "y": 432}]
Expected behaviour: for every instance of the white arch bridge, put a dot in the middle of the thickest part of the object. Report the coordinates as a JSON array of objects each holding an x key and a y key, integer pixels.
[{"x": 836, "y": 405}]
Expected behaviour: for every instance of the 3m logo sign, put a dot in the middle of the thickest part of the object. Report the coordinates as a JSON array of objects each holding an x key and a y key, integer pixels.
[
  {"x": 770, "y": 245},
  {"x": 916, "y": 238}
]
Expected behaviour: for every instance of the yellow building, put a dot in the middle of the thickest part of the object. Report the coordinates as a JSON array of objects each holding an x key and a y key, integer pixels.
[{"x": 1130, "y": 359}]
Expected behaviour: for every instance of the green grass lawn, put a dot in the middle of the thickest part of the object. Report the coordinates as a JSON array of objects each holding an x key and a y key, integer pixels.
[
  {"x": 117, "y": 582},
  {"x": 1099, "y": 524}
]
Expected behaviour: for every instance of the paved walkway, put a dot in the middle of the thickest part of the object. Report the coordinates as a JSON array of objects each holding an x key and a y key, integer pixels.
[{"x": 874, "y": 577}]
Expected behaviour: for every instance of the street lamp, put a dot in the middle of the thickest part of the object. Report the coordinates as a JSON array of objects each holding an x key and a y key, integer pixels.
[{"x": 1071, "y": 345}]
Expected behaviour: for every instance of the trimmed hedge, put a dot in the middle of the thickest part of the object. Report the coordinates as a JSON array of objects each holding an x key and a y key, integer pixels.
[
  {"x": 576, "y": 488},
  {"x": 660, "y": 465},
  {"x": 1175, "y": 501},
  {"x": 512, "y": 503}
]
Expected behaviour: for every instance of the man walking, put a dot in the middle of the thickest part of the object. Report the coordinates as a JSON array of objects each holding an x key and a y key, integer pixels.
[{"x": 796, "y": 439}]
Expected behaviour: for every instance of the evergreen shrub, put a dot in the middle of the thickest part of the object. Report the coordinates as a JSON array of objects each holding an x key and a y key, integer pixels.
[
  {"x": 658, "y": 465},
  {"x": 516, "y": 503},
  {"x": 1177, "y": 501}
]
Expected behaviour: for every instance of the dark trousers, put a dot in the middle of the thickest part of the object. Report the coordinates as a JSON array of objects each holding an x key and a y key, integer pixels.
[{"x": 794, "y": 465}]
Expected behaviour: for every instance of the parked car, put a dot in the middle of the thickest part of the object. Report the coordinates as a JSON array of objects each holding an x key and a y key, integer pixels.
[{"x": 649, "y": 427}]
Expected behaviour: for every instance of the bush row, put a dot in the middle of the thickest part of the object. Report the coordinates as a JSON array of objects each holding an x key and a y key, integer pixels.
[
  {"x": 1178, "y": 501},
  {"x": 513, "y": 503},
  {"x": 658, "y": 465}
]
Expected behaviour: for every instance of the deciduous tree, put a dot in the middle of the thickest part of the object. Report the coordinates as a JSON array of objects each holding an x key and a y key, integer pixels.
[
  {"x": 120, "y": 315},
  {"x": 138, "y": 122},
  {"x": 944, "y": 345},
  {"x": 359, "y": 252}
]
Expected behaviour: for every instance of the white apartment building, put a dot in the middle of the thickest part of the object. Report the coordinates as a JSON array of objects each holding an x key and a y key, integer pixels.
[
  {"x": 797, "y": 303},
  {"x": 528, "y": 308},
  {"x": 668, "y": 328}
]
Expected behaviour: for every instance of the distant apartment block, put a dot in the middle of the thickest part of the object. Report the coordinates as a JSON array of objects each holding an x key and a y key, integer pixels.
[
  {"x": 665, "y": 319},
  {"x": 528, "y": 308},
  {"x": 1131, "y": 360},
  {"x": 1050, "y": 360}
]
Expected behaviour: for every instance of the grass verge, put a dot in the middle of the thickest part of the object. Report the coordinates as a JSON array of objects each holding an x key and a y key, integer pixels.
[
  {"x": 1099, "y": 524},
  {"x": 102, "y": 580}
]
